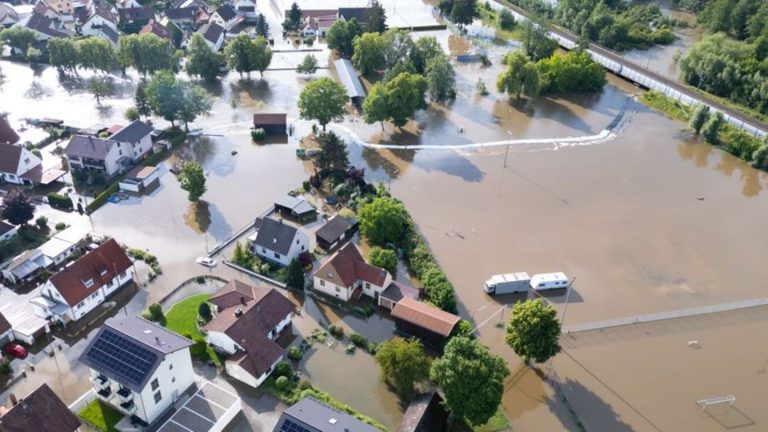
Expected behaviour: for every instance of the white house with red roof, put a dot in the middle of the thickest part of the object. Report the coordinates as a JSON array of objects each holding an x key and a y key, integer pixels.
[
  {"x": 17, "y": 164},
  {"x": 247, "y": 321},
  {"x": 346, "y": 275},
  {"x": 85, "y": 284}
]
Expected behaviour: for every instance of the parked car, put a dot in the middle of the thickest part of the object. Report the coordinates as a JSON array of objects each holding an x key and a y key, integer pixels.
[
  {"x": 15, "y": 350},
  {"x": 208, "y": 262}
]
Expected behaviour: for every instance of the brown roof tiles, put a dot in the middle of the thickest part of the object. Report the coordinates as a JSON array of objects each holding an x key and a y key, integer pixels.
[
  {"x": 41, "y": 410},
  {"x": 425, "y": 316},
  {"x": 347, "y": 266}
]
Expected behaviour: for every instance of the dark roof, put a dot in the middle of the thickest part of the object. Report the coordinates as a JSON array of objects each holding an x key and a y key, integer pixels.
[
  {"x": 226, "y": 12},
  {"x": 247, "y": 314},
  {"x": 266, "y": 119},
  {"x": 358, "y": 13},
  {"x": 98, "y": 8},
  {"x": 212, "y": 32},
  {"x": 157, "y": 29},
  {"x": 100, "y": 265},
  {"x": 313, "y": 13},
  {"x": 4, "y": 324},
  {"x": 9, "y": 158},
  {"x": 129, "y": 350},
  {"x": 41, "y": 411},
  {"x": 7, "y": 134},
  {"x": 132, "y": 133},
  {"x": 200, "y": 3},
  {"x": 314, "y": 416},
  {"x": 425, "y": 414},
  {"x": 143, "y": 13},
  {"x": 42, "y": 24},
  {"x": 109, "y": 33},
  {"x": 89, "y": 147},
  {"x": 347, "y": 266},
  {"x": 274, "y": 235},
  {"x": 187, "y": 13},
  {"x": 349, "y": 78},
  {"x": 333, "y": 229},
  {"x": 396, "y": 291},
  {"x": 425, "y": 316},
  {"x": 4, "y": 228}
]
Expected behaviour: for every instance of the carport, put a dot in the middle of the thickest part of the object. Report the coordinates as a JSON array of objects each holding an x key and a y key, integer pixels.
[{"x": 210, "y": 409}]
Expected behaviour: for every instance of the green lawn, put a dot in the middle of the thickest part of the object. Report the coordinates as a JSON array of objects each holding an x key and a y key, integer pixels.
[
  {"x": 100, "y": 415},
  {"x": 182, "y": 319},
  {"x": 497, "y": 423}
]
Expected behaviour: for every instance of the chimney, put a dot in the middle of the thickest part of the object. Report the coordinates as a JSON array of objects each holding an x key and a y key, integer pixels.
[
  {"x": 157, "y": 339},
  {"x": 242, "y": 300},
  {"x": 14, "y": 401},
  {"x": 238, "y": 313}
]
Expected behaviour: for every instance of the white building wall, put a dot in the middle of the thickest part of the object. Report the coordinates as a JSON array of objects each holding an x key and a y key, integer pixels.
[
  {"x": 174, "y": 375},
  {"x": 9, "y": 234},
  {"x": 142, "y": 147},
  {"x": 235, "y": 371},
  {"x": 93, "y": 26},
  {"x": 332, "y": 289},
  {"x": 221, "y": 342}
]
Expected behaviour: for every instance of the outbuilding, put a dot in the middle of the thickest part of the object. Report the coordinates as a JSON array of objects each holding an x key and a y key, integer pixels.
[
  {"x": 348, "y": 77},
  {"x": 335, "y": 232},
  {"x": 272, "y": 123},
  {"x": 428, "y": 323},
  {"x": 139, "y": 179},
  {"x": 296, "y": 208}
]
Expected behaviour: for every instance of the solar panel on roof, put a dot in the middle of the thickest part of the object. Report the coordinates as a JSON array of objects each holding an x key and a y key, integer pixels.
[
  {"x": 122, "y": 357},
  {"x": 290, "y": 426}
]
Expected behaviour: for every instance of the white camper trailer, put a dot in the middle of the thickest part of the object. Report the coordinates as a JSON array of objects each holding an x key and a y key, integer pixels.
[{"x": 548, "y": 281}]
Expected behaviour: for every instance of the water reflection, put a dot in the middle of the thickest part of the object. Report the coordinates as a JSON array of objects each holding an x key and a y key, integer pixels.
[
  {"x": 608, "y": 418},
  {"x": 198, "y": 216},
  {"x": 700, "y": 154}
]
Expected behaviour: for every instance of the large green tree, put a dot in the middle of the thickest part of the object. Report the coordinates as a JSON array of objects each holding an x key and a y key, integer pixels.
[
  {"x": 341, "y": 34},
  {"x": 99, "y": 87},
  {"x": 425, "y": 49},
  {"x": 464, "y": 12},
  {"x": 534, "y": 331},
  {"x": 369, "y": 53},
  {"x": 383, "y": 258},
  {"x": 376, "y": 105},
  {"x": 240, "y": 54},
  {"x": 333, "y": 153},
  {"x": 141, "y": 100},
  {"x": 295, "y": 277},
  {"x": 261, "y": 26},
  {"x": 405, "y": 95},
  {"x": 536, "y": 42},
  {"x": 194, "y": 102},
  {"x": 384, "y": 221},
  {"x": 322, "y": 100},
  {"x": 375, "y": 19},
  {"x": 572, "y": 72},
  {"x": 471, "y": 378},
  {"x": 17, "y": 207},
  {"x": 698, "y": 117},
  {"x": 403, "y": 364},
  {"x": 62, "y": 54},
  {"x": 19, "y": 38},
  {"x": 202, "y": 61},
  {"x": 441, "y": 78},
  {"x": 96, "y": 54},
  {"x": 520, "y": 77},
  {"x": 262, "y": 54},
  {"x": 164, "y": 96},
  {"x": 192, "y": 179},
  {"x": 308, "y": 65}
]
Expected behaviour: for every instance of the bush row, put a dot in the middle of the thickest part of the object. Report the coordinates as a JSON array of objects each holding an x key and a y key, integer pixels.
[
  {"x": 59, "y": 201},
  {"x": 102, "y": 198}
]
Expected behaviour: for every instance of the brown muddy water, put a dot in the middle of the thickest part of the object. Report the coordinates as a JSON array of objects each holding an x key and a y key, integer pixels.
[{"x": 650, "y": 221}]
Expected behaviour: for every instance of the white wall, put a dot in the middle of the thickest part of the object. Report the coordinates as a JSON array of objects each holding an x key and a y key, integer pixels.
[
  {"x": 331, "y": 289},
  {"x": 93, "y": 26},
  {"x": 9, "y": 234},
  {"x": 173, "y": 381},
  {"x": 221, "y": 342},
  {"x": 96, "y": 298},
  {"x": 235, "y": 371},
  {"x": 142, "y": 147}
]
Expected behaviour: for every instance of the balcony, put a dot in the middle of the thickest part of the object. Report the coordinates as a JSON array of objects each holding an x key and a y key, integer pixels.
[
  {"x": 105, "y": 393},
  {"x": 100, "y": 382},
  {"x": 125, "y": 395},
  {"x": 128, "y": 407}
]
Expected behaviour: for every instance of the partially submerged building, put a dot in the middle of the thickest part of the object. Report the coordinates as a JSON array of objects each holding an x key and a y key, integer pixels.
[
  {"x": 346, "y": 275},
  {"x": 350, "y": 80},
  {"x": 428, "y": 323}
]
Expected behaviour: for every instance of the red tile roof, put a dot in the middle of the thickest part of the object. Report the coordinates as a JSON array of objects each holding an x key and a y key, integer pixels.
[
  {"x": 347, "y": 266},
  {"x": 157, "y": 29},
  {"x": 101, "y": 265},
  {"x": 260, "y": 119},
  {"x": 9, "y": 158},
  {"x": 425, "y": 316}
]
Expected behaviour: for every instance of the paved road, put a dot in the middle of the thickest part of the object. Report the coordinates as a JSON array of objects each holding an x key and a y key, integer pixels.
[{"x": 626, "y": 66}]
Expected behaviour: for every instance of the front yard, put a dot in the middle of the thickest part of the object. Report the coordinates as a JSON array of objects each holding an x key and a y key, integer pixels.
[
  {"x": 100, "y": 415},
  {"x": 182, "y": 318}
]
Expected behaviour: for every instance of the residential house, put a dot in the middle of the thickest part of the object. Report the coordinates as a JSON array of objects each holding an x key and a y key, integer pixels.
[
  {"x": 312, "y": 26},
  {"x": 430, "y": 324},
  {"x": 246, "y": 9},
  {"x": 126, "y": 4},
  {"x": 40, "y": 410},
  {"x": 348, "y": 77},
  {"x": 425, "y": 414},
  {"x": 189, "y": 3},
  {"x": 277, "y": 241},
  {"x": 53, "y": 252},
  {"x": 18, "y": 311},
  {"x": 85, "y": 284},
  {"x": 7, "y": 230},
  {"x": 311, "y": 415},
  {"x": 335, "y": 232},
  {"x": 226, "y": 17},
  {"x": 358, "y": 13},
  {"x": 99, "y": 19},
  {"x": 139, "y": 367},
  {"x": 24, "y": 267},
  {"x": 17, "y": 164},
  {"x": 7, "y": 134},
  {"x": 44, "y": 27},
  {"x": 156, "y": 29},
  {"x": 247, "y": 321},
  {"x": 213, "y": 35},
  {"x": 87, "y": 152},
  {"x": 346, "y": 275},
  {"x": 272, "y": 123},
  {"x": 297, "y": 208},
  {"x": 135, "y": 16},
  {"x": 137, "y": 136},
  {"x": 6, "y": 331},
  {"x": 63, "y": 7},
  {"x": 184, "y": 18},
  {"x": 42, "y": 8},
  {"x": 139, "y": 179},
  {"x": 8, "y": 15},
  {"x": 395, "y": 292}
]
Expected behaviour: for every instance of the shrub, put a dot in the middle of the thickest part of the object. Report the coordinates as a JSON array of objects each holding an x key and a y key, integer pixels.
[
  {"x": 336, "y": 331},
  {"x": 61, "y": 226},
  {"x": 384, "y": 258},
  {"x": 200, "y": 280},
  {"x": 284, "y": 369},
  {"x": 295, "y": 353},
  {"x": 306, "y": 186},
  {"x": 258, "y": 134},
  {"x": 204, "y": 310},
  {"x": 156, "y": 313},
  {"x": 359, "y": 340},
  {"x": 282, "y": 383},
  {"x": 42, "y": 222},
  {"x": 506, "y": 20},
  {"x": 102, "y": 198}
]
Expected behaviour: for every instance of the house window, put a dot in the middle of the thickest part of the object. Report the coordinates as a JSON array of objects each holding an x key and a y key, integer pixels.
[
  {"x": 88, "y": 283},
  {"x": 322, "y": 282},
  {"x": 170, "y": 367},
  {"x": 337, "y": 289},
  {"x": 302, "y": 247},
  {"x": 264, "y": 250},
  {"x": 158, "y": 397},
  {"x": 297, "y": 241},
  {"x": 367, "y": 285},
  {"x": 277, "y": 255},
  {"x": 155, "y": 384}
]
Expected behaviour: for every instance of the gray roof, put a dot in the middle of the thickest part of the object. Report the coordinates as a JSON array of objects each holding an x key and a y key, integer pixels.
[
  {"x": 89, "y": 147},
  {"x": 211, "y": 32},
  {"x": 315, "y": 416},
  {"x": 226, "y": 12},
  {"x": 110, "y": 34},
  {"x": 132, "y": 133},
  {"x": 128, "y": 350},
  {"x": 43, "y": 25},
  {"x": 274, "y": 235},
  {"x": 189, "y": 13},
  {"x": 5, "y": 227},
  {"x": 331, "y": 231},
  {"x": 348, "y": 77},
  {"x": 299, "y": 206},
  {"x": 358, "y": 13}
]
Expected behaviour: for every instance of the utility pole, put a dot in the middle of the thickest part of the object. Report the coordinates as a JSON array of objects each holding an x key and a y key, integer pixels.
[
  {"x": 506, "y": 153},
  {"x": 567, "y": 296}
]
